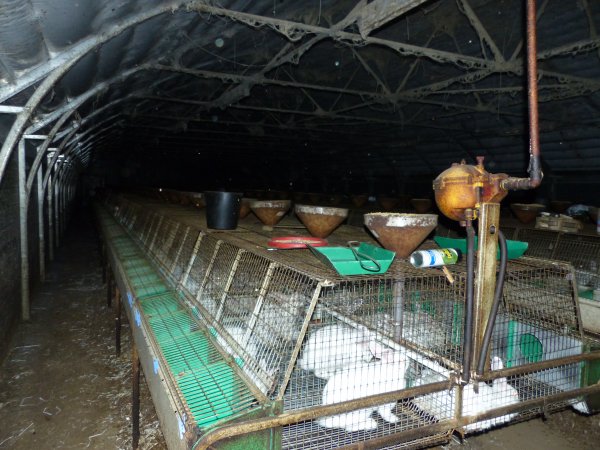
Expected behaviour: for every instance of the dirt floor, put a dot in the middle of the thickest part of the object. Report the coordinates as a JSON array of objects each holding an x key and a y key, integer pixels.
[{"x": 61, "y": 385}]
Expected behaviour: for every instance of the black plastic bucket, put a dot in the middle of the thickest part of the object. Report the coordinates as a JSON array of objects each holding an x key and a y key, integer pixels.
[{"x": 222, "y": 209}]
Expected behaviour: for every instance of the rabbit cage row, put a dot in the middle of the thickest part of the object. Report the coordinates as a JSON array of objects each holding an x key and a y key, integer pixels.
[{"x": 299, "y": 338}]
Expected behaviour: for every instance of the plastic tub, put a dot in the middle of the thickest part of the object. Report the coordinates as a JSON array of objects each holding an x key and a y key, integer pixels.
[{"x": 222, "y": 209}]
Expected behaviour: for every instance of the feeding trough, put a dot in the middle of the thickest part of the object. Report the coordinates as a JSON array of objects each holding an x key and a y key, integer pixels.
[
  {"x": 401, "y": 233},
  {"x": 421, "y": 205},
  {"x": 526, "y": 212},
  {"x": 320, "y": 220},
  {"x": 270, "y": 211}
]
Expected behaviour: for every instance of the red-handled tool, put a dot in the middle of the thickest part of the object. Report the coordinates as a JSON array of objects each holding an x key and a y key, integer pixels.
[{"x": 288, "y": 242}]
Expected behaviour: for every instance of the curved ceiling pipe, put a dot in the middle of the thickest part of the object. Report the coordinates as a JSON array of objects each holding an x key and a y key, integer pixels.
[{"x": 41, "y": 152}]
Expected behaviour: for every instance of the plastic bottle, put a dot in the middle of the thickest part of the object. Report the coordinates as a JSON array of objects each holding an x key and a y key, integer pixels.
[{"x": 434, "y": 258}]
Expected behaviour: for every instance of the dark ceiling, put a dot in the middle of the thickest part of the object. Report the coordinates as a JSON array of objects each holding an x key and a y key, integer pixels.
[{"x": 309, "y": 95}]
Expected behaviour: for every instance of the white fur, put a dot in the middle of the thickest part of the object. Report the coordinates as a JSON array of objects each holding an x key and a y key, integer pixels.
[
  {"x": 500, "y": 393},
  {"x": 335, "y": 346},
  {"x": 361, "y": 380}
]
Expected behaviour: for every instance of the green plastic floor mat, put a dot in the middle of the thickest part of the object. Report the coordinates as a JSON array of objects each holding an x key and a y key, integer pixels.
[
  {"x": 212, "y": 393},
  {"x": 150, "y": 284},
  {"x": 135, "y": 263},
  {"x": 187, "y": 353},
  {"x": 160, "y": 304},
  {"x": 167, "y": 327}
]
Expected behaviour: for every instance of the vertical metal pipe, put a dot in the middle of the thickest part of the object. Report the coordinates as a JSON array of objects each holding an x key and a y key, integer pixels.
[
  {"x": 532, "y": 87},
  {"x": 468, "y": 329},
  {"x": 25, "y": 312},
  {"x": 135, "y": 398},
  {"x": 398, "y": 306},
  {"x": 50, "y": 216},
  {"x": 117, "y": 320},
  {"x": 40, "y": 213},
  {"x": 56, "y": 191}
]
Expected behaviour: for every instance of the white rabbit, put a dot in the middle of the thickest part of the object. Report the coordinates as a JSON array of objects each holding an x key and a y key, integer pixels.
[
  {"x": 253, "y": 366},
  {"x": 361, "y": 380},
  {"x": 441, "y": 404},
  {"x": 335, "y": 346}
]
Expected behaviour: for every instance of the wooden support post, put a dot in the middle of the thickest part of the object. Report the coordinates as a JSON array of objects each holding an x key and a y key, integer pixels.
[
  {"x": 135, "y": 399},
  {"x": 117, "y": 321}
]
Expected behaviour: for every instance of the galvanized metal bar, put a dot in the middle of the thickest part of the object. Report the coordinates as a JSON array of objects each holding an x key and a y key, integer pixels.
[
  {"x": 7, "y": 109},
  {"x": 420, "y": 355},
  {"x": 188, "y": 269},
  {"x": 109, "y": 287},
  {"x": 370, "y": 71},
  {"x": 208, "y": 270},
  {"x": 315, "y": 412},
  {"x": 178, "y": 253},
  {"x": 298, "y": 346},
  {"x": 50, "y": 194},
  {"x": 156, "y": 232},
  {"x": 135, "y": 398},
  {"x": 228, "y": 283},
  {"x": 379, "y": 12},
  {"x": 35, "y": 166},
  {"x": 291, "y": 29},
  {"x": 23, "y": 236},
  {"x": 484, "y": 36},
  {"x": 519, "y": 46},
  {"x": 41, "y": 226},
  {"x": 259, "y": 303},
  {"x": 485, "y": 280},
  {"x": 118, "y": 301}
]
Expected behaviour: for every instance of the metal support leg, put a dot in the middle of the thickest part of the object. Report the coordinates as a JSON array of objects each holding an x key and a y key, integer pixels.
[
  {"x": 24, "y": 243},
  {"x": 104, "y": 263},
  {"x": 135, "y": 399},
  {"x": 41, "y": 232},
  {"x": 109, "y": 287},
  {"x": 117, "y": 321}
]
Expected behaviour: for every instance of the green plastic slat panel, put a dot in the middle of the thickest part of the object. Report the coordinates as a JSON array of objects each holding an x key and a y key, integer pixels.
[
  {"x": 211, "y": 393},
  {"x": 187, "y": 353},
  {"x": 210, "y": 387},
  {"x": 150, "y": 284},
  {"x": 171, "y": 326},
  {"x": 160, "y": 304}
]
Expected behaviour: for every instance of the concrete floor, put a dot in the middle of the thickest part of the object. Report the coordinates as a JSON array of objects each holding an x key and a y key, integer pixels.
[{"x": 61, "y": 385}]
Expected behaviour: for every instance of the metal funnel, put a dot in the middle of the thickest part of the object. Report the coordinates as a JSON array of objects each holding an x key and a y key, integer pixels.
[
  {"x": 320, "y": 221},
  {"x": 270, "y": 211},
  {"x": 401, "y": 233}
]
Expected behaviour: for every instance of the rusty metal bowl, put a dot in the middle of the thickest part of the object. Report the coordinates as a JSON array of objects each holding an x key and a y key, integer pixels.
[
  {"x": 320, "y": 221},
  {"x": 270, "y": 212},
  {"x": 401, "y": 233}
]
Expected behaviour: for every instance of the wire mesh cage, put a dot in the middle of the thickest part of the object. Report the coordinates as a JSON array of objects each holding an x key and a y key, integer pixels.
[{"x": 297, "y": 333}]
